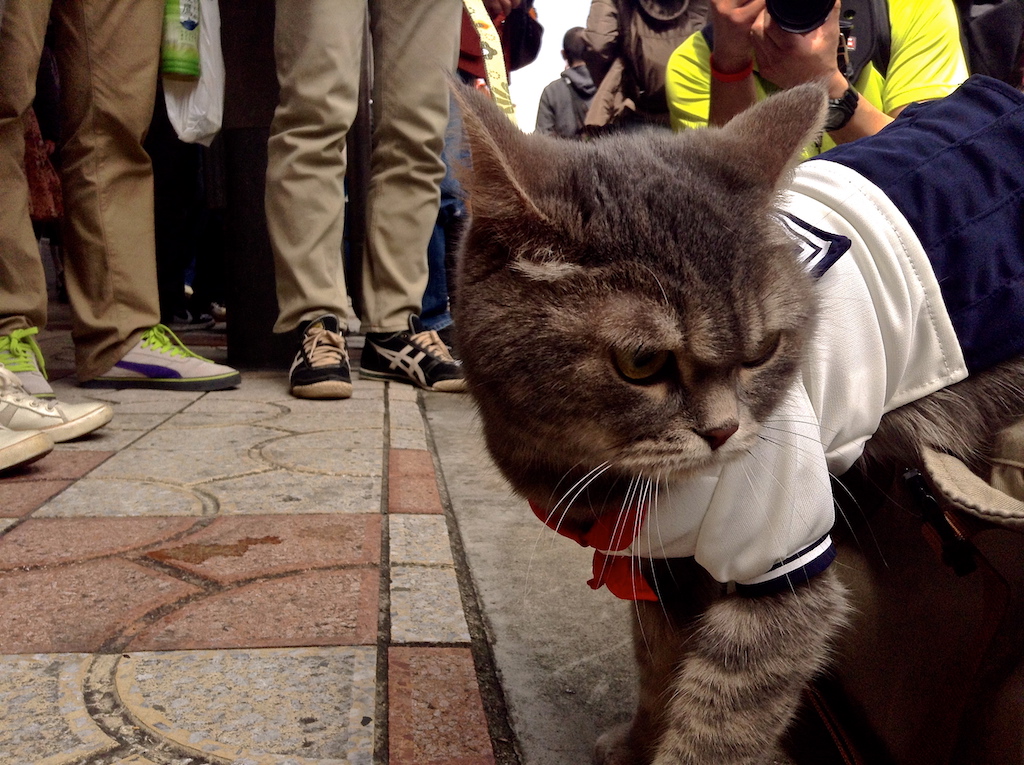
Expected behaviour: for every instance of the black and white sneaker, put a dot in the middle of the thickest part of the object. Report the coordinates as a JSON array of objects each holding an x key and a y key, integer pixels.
[
  {"x": 320, "y": 369},
  {"x": 418, "y": 357}
]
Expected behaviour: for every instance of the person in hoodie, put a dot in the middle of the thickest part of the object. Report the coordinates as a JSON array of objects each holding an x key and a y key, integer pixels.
[{"x": 564, "y": 103}]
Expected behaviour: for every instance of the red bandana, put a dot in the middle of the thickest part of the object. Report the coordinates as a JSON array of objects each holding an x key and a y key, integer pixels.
[{"x": 611, "y": 532}]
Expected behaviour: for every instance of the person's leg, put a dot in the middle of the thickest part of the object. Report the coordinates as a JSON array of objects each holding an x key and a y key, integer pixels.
[
  {"x": 22, "y": 279},
  {"x": 108, "y": 53},
  {"x": 415, "y": 45},
  {"x": 176, "y": 206},
  {"x": 318, "y": 49},
  {"x": 434, "y": 313}
]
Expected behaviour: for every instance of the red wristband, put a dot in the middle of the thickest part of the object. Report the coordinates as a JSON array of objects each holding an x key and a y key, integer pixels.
[{"x": 742, "y": 74}]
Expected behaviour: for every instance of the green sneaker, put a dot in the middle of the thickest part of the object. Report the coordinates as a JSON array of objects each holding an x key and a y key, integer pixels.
[
  {"x": 160, "y": 360},
  {"x": 20, "y": 354}
]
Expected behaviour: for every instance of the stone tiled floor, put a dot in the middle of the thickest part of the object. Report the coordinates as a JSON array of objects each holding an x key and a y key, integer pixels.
[{"x": 235, "y": 577}]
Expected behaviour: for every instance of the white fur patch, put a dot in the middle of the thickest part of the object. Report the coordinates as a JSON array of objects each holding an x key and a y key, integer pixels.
[{"x": 544, "y": 271}]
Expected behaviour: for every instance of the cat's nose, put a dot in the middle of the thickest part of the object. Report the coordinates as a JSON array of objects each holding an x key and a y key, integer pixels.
[{"x": 718, "y": 436}]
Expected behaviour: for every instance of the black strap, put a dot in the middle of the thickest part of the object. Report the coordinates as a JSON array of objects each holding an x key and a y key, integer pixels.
[{"x": 868, "y": 24}]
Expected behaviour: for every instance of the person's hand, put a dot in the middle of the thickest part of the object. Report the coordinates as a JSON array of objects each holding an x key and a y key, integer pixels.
[
  {"x": 498, "y": 8},
  {"x": 733, "y": 21},
  {"x": 788, "y": 59}
]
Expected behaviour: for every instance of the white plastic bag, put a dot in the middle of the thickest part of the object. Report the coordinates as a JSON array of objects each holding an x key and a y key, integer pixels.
[{"x": 196, "y": 107}]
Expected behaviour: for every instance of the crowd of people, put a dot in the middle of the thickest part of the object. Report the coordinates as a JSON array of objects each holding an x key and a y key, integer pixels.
[{"x": 679, "y": 64}]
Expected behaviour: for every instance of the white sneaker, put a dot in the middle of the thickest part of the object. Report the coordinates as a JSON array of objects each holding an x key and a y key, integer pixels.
[
  {"x": 21, "y": 411},
  {"x": 160, "y": 360},
  {"x": 20, "y": 447}
]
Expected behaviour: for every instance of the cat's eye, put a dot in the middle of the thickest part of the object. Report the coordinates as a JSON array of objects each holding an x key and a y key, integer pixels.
[
  {"x": 764, "y": 352},
  {"x": 641, "y": 366}
]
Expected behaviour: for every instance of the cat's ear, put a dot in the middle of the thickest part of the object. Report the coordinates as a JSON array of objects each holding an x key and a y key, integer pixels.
[
  {"x": 768, "y": 138},
  {"x": 501, "y": 156}
]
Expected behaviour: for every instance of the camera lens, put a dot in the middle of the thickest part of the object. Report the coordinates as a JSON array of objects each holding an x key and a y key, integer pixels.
[{"x": 799, "y": 16}]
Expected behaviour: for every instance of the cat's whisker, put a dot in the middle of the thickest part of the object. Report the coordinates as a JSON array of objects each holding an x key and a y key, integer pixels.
[
  {"x": 849, "y": 526},
  {"x": 582, "y": 484},
  {"x": 636, "y": 565},
  {"x": 579, "y": 487},
  {"x": 621, "y": 516}
]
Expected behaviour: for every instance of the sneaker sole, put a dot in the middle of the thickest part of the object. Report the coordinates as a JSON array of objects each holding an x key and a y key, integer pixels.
[
  {"x": 323, "y": 390},
  {"x": 166, "y": 383},
  {"x": 26, "y": 451},
  {"x": 441, "y": 386},
  {"x": 80, "y": 427}
]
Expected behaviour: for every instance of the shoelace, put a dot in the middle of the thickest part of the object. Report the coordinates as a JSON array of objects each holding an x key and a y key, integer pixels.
[
  {"x": 162, "y": 340},
  {"x": 432, "y": 342},
  {"x": 18, "y": 350},
  {"x": 14, "y": 392},
  {"x": 324, "y": 348}
]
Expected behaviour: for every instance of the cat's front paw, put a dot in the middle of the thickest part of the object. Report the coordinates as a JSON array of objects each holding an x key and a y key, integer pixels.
[{"x": 616, "y": 747}]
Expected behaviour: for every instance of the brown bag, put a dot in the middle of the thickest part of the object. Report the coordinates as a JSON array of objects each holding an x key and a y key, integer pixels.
[{"x": 932, "y": 671}]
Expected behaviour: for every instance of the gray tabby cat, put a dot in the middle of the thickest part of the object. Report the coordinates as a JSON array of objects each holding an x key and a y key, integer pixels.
[{"x": 629, "y": 312}]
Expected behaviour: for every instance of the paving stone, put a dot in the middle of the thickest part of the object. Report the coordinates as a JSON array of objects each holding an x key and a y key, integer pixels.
[
  {"x": 407, "y": 438},
  {"x": 241, "y": 413},
  {"x": 332, "y": 452},
  {"x": 398, "y": 392},
  {"x": 183, "y": 467},
  {"x": 419, "y": 539},
  {"x": 412, "y": 487},
  {"x": 138, "y": 423},
  {"x": 258, "y": 385},
  {"x": 361, "y": 400},
  {"x": 435, "y": 716},
  {"x": 79, "y": 607},
  {"x": 301, "y": 705},
  {"x": 410, "y": 462},
  {"x": 309, "y": 609},
  {"x": 133, "y": 759},
  {"x": 61, "y": 465},
  {"x": 48, "y": 541},
  {"x": 44, "y": 716},
  {"x": 405, "y": 414},
  {"x": 283, "y": 492},
  {"x": 18, "y": 499},
  {"x": 220, "y": 439},
  {"x": 134, "y": 400},
  {"x": 426, "y": 606},
  {"x": 245, "y": 547},
  {"x": 357, "y": 415},
  {"x": 121, "y": 498}
]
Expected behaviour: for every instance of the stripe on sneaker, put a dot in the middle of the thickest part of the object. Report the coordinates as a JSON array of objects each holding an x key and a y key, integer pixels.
[{"x": 148, "y": 370}]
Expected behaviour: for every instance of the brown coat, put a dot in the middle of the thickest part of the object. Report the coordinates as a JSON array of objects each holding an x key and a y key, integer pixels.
[{"x": 628, "y": 46}]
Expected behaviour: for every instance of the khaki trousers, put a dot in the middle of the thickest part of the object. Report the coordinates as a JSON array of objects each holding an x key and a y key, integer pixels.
[
  {"x": 108, "y": 54},
  {"x": 318, "y": 47}
]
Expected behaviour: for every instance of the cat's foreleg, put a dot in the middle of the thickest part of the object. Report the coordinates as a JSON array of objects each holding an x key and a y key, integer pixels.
[
  {"x": 739, "y": 683},
  {"x": 661, "y": 632}
]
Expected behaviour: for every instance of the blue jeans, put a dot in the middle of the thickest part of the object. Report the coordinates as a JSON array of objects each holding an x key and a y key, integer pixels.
[{"x": 434, "y": 311}]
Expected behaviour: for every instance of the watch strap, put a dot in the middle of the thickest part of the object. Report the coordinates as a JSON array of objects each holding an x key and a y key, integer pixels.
[{"x": 840, "y": 110}]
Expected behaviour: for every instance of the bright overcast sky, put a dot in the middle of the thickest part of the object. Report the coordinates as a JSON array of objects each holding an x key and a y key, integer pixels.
[{"x": 556, "y": 16}]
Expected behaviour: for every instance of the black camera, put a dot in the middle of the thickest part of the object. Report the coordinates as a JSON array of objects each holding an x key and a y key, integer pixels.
[{"x": 799, "y": 16}]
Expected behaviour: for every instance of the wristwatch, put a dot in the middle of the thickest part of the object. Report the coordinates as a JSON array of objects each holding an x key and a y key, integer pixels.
[{"x": 840, "y": 110}]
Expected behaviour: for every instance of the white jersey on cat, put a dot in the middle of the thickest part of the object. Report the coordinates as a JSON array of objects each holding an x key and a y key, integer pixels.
[{"x": 883, "y": 339}]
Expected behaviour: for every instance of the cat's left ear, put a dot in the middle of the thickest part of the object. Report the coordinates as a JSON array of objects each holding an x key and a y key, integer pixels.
[
  {"x": 501, "y": 158},
  {"x": 767, "y": 140}
]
